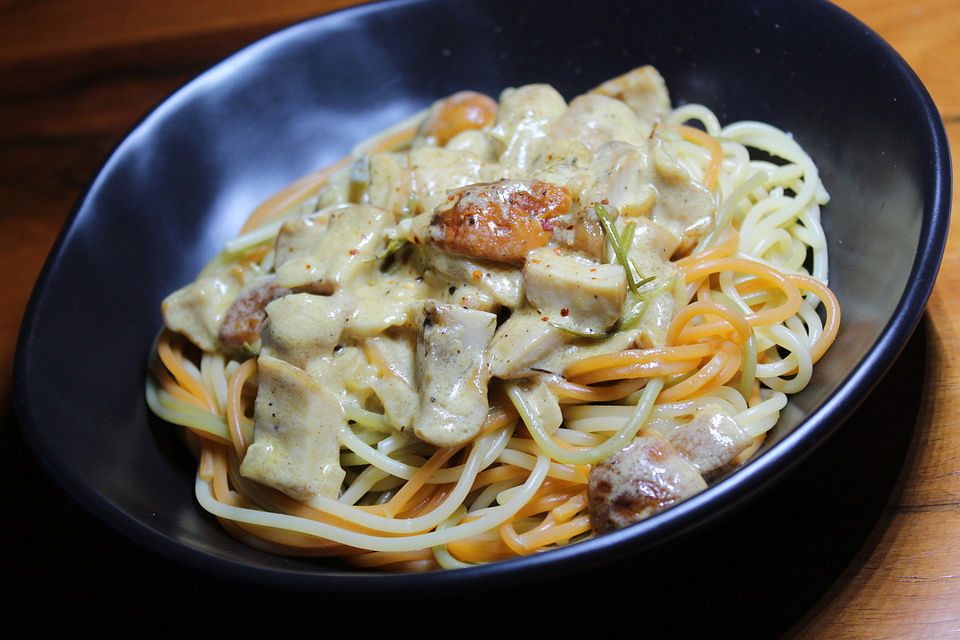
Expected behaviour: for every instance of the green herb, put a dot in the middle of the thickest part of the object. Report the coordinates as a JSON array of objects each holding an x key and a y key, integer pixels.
[
  {"x": 592, "y": 335},
  {"x": 395, "y": 245},
  {"x": 642, "y": 280},
  {"x": 626, "y": 238},
  {"x": 606, "y": 221},
  {"x": 630, "y": 319},
  {"x": 633, "y": 315}
]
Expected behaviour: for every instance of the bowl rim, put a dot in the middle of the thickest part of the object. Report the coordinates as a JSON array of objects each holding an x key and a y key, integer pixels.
[{"x": 725, "y": 496}]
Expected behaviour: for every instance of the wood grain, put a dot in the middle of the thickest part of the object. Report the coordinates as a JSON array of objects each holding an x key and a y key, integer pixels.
[
  {"x": 905, "y": 583},
  {"x": 76, "y": 74},
  {"x": 926, "y": 35}
]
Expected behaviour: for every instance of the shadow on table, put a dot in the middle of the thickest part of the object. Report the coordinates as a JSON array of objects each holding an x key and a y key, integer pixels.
[{"x": 754, "y": 574}]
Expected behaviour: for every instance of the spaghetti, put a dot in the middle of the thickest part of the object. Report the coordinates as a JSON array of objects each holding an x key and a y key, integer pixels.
[{"x": 716, "y": 316}]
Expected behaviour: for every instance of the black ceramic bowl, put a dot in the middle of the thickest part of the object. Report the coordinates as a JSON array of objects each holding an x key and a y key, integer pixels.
[{"x": 183, "y": 181}]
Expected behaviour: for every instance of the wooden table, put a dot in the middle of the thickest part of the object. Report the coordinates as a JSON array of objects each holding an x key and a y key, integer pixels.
[{"x": 76, "y": 74}]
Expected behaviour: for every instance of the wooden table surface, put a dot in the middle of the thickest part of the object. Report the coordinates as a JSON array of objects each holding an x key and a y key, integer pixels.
[{"x": 76, "y": 74}]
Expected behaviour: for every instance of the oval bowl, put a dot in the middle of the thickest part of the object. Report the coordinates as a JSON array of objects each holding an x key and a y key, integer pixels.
[{"x": 184, "y": 179}]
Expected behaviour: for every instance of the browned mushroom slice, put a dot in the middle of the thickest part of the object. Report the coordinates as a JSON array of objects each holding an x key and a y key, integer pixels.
[
  {"x": 710, "y": 442},
  {"x": 241, "y": 326},
  {"x": 452, "y": 373},
  {"x": 643, "y": 479}
]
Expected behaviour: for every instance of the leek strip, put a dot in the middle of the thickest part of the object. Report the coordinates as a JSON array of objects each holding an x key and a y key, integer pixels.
[
  {"x": 266, "y": 233},
  {"x": 728, "y": 208},
  {"x": 610, "y": 229}
]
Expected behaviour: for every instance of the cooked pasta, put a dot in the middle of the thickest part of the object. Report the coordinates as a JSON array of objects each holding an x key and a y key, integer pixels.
[{"x": 462, "y": 342}]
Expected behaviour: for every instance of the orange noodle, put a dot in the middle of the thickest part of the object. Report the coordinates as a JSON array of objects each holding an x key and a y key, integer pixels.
[{"x": 721, "y": 317}]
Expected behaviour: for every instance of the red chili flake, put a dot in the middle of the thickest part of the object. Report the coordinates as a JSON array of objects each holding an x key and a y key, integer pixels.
[
  {"x": 593, "y": 269},
  {"x": 545, "y": 318},
  {"x": 564, "y": 312},
  {"x": 354, "y": 252},
  {"x": 604, "y": 201},
  {"x": 477, "y": 274},
  {"x": 558, "y": 251}
]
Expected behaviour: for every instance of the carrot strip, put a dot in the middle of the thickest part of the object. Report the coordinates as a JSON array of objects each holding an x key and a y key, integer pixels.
[
  {"x": 679, "y": 333},
  {"x": 547, "y": 503},
  {"x": 704, "y": 139},
  {"x": 726, "y": 247},
  {"x": 235, "y": 417},
  {"x": 638, "y": 370},
  {"x": 831, "y": 304},
  {"x": 173, "y": 388},
  {"x": 571, "y": 507},
  {"x": 537, "y": 539},
  {"x": 307, "y": 186},
  {"x": 437, "y": 494},
  {"x": 500, "y": 415},
  {"x": 581, "y": 393},
  {"x": 742, "y": 265},
  {"x": 292, "y": 195},
  {"x": 419, "y": 478},
  {"x": 382, "y": 558},
  {"x": 511, "y": 538},
  {"x": 701, "y": 378},
  {"x": 394, "y": 140},
  {"x": 476, "y": 550},
  {"x": 172, "y": 357},
  {"x": 637, "y": 356},
  {"x": 499, "y": 474}
]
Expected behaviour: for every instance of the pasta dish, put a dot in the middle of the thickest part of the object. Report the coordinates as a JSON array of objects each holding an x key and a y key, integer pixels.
[{"x": 500, "y": 327}]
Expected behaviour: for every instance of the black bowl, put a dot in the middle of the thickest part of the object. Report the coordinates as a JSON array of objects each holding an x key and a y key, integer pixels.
[{"x": 183, "y": 181}]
